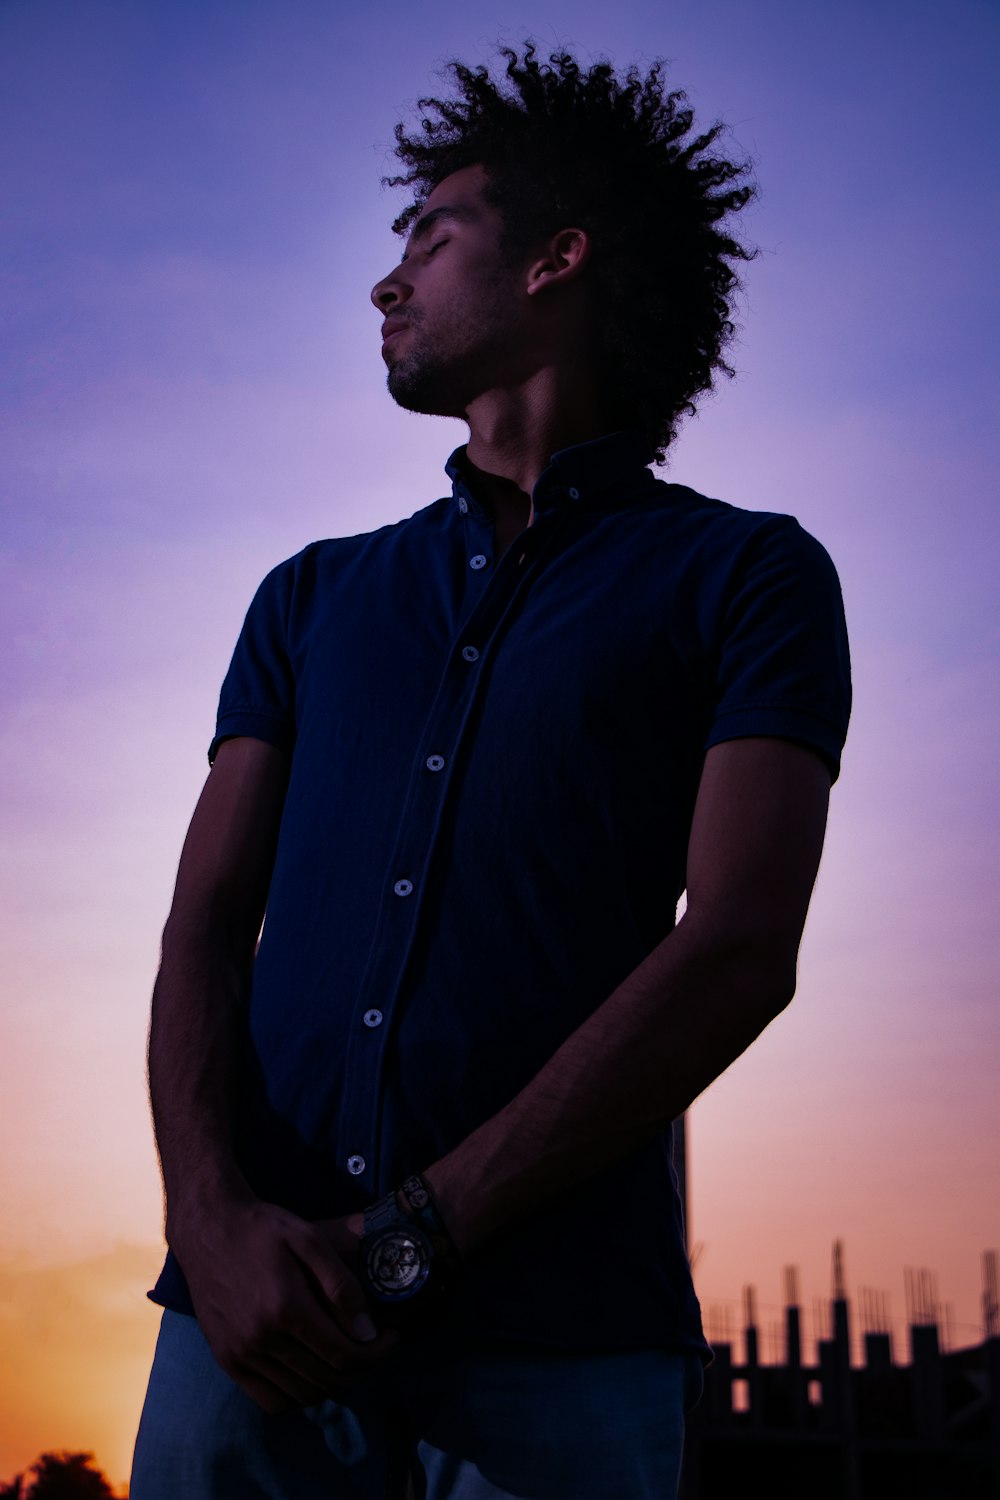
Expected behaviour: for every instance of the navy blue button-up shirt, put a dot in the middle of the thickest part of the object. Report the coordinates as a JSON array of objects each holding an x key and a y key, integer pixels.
[{"x": 493, "y": 771}]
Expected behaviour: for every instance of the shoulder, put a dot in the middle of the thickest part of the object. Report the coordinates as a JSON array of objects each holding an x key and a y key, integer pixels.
[
  {"x": 768, "y": 604},
  {"x": 729, "y": 527},
  {"x": 727, "y": 547},
  {"x": 294, "y": 581}
]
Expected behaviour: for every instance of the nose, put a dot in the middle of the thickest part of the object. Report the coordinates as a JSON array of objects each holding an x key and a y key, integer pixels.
[{"x": 391, "y": 291}]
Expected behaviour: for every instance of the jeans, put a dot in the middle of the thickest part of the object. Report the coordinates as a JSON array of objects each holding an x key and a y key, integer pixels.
[{"x": 470, "y": 1426}]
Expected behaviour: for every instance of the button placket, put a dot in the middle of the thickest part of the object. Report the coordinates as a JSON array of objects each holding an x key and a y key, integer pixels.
[{"x": 494, "y": 592}]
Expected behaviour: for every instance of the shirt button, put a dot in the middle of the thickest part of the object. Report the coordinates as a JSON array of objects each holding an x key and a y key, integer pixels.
[
  {"x": 463, "y": 504},
  {"x": 403, "y": 887},
  {"x": 373, "y": 1018},
  {"x": 574, "y": 494},
  {"x": 434, "y": 762},
  {"x": 470, "y": 653},
  {"x": 355, "y": 1165},
  {"x": 477, "y": 562}
]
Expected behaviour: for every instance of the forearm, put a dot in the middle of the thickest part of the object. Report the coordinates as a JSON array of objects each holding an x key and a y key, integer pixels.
[
  {"x": 681, "y": 1017},
  {"x": 669, "y": 1029},
  {"x": 208, "y": 951},
  {"x": 192, "y": 1047},
  {"x": 282, "y": 1312}
]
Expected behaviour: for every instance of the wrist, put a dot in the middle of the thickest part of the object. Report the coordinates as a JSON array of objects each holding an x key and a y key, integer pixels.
[
  {"x": 420, "y": 1204},
  {"x": 454, "y": 1209},
  {"x": 408, "y": 1262},
  {"x": 205, "y": 1196}
]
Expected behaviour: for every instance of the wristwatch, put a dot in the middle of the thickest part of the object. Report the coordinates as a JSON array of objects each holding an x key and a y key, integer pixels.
[{"x": 406, "y": 1263}]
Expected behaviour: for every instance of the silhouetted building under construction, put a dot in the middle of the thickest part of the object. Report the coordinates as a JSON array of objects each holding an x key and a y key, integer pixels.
[{"x": 828, "y": 1428}]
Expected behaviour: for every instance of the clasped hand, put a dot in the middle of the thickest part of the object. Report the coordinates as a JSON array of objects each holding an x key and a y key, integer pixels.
[{"x": 280, "y": 1304}]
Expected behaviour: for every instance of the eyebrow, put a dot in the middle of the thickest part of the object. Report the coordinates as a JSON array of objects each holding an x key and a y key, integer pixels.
[{"x": 426, "y": 223}]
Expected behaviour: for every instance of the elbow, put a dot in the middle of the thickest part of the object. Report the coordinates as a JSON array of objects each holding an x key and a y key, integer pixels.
[
  {"x": 196, "y": 944},
  {"x": 767, "y": 981},
  {"x": 751, "y": 956},
  {"x": 754, "y": 976},
  {"x": 781, "y": 991}
]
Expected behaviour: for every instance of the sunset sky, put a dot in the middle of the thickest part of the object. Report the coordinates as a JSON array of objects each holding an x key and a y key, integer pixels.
[{"x": 191, "y": 221}]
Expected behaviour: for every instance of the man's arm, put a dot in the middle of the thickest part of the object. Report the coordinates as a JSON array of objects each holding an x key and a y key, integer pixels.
[
  {"x": 681, "y": 1017},
  {"x": 273, "y": 1298}
]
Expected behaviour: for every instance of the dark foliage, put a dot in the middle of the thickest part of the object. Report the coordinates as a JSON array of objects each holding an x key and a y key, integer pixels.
[
  {"x": 61, "y": 1476},
  {"x": 616, "y": 156}
]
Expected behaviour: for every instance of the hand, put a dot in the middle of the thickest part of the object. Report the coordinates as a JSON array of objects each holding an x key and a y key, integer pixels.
[{"x": 279, "y": 1302}]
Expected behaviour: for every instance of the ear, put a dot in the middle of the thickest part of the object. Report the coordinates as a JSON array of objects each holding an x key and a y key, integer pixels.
[{"x": 561, "y": 260}]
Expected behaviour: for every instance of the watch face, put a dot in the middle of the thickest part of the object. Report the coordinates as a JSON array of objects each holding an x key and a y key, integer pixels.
[{"x": 397, "y": 1263}]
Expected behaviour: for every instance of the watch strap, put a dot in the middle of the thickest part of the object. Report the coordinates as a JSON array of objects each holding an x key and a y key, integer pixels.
[
  {"x": 384, "y": 1221},
  {"x": 420, "y": 1201},
  {"x": 383, "y": 1215}
]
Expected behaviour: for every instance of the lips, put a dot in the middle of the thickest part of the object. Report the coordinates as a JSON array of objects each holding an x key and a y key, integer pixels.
[{"x": 391, "y": 327}]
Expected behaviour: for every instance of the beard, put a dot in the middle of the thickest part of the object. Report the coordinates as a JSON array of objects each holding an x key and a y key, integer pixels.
[
  {"x": 428, "y": 383},
  {"x": 443, "y": 370}
]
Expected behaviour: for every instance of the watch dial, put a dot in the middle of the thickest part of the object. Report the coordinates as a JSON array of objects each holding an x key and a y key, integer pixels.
[{"x": 397, "y": 1263}]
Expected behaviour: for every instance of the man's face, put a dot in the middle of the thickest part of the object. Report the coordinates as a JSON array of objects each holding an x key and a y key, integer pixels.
[{"x": 452, "y": 305}]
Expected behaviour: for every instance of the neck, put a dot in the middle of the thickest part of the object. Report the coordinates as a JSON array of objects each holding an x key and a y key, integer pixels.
[{"x": 513, "y": 434}]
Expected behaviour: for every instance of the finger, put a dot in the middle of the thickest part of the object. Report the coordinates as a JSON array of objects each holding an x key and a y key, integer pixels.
[
  {"x": 301, "y": 1382},
  {"x": 310, "y": 1378},
  {"x": 286, "y": 1373},
  {"x": 305, "y": 1364},
  {"x": 289, "y": 1378},
  {"x": 304, "y": 1330},
  {"x": 296, "y": 1332},
  {"x": 340, "y": 1292},
  {"x": 315, "y": 1344},
  {"x": 270, "y": 1396}
]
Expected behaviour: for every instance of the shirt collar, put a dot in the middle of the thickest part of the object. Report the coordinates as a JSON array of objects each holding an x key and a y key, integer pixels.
[{"x": 618, "y": 462}]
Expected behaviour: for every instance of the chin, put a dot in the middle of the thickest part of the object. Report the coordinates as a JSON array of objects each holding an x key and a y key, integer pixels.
[{"x": 424, "y": 392}]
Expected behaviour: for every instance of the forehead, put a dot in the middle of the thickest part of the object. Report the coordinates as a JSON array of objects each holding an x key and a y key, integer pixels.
[
  {"x": 465, "y": 186},
  {"x": 460, "y": 196}
]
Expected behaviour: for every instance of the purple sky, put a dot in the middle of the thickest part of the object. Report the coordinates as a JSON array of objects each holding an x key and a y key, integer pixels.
[{"x": 192, "y": 219}]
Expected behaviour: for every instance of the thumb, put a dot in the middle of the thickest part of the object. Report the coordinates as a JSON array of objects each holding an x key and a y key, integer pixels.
[{"x": 342, "y": 1290}]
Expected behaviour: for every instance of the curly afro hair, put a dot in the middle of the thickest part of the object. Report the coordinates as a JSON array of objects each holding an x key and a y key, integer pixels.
[{"x": 615, "y": 156}]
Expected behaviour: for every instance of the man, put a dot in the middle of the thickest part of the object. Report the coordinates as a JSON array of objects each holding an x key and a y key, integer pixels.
[{"x": 416, "y": 1149}]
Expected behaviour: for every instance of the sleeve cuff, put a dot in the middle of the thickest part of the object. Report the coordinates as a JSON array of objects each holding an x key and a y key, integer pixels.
[
  {"x": 254, "y": 724},
  {"x": 811, "y": 730}
]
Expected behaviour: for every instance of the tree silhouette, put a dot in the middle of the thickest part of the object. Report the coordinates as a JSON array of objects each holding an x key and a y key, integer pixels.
[{"x": 61, "y": 1476}]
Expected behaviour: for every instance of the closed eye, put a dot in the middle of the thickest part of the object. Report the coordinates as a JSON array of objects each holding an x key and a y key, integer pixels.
[{"x": 425, "y": 250}]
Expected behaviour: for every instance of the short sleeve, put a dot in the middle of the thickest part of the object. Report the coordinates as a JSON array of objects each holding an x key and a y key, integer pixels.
[
  {"x": 783, "y": 656},
  {"x": 258, "y": 693}
]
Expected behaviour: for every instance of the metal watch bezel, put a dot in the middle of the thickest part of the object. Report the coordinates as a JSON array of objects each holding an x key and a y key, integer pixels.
[{"x": 373, "y": 1249}]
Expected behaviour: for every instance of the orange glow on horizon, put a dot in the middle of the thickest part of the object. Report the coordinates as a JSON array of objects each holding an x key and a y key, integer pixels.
[{"x": 78, "y": 1341}]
